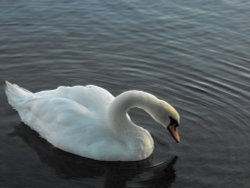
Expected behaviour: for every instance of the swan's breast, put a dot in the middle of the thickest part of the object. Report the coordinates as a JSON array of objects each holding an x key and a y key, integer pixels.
[{"x": 139, "y": 143}]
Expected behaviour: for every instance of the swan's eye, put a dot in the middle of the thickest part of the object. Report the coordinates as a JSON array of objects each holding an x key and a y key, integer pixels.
[{"x": 173, "y": 122}]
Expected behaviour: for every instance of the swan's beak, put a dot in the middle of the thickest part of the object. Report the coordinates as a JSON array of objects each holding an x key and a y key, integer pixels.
[{"x": 174, "y": 132}]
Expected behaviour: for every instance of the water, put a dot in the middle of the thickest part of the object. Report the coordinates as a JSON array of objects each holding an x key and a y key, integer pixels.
[{"x": 194, "y": 54}]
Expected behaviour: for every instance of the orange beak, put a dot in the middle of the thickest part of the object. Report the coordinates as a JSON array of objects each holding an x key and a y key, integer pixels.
[{"x": 174, "y": 132}]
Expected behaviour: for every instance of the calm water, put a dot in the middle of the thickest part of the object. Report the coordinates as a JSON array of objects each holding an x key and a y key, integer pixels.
[{"x": 194, "y": 54}]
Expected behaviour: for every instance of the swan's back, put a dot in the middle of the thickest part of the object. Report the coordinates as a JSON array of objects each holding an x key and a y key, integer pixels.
[{"x": 92, "y": 97}]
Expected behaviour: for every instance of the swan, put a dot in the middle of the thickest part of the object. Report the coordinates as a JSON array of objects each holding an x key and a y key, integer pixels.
[{"x": 90, "y": 122}]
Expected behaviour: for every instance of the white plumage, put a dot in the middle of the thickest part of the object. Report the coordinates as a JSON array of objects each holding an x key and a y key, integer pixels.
[{"x": 89, "y": 121}]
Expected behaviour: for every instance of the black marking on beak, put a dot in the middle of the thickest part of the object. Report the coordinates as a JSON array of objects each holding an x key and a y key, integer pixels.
[{"x": 172, "y": 128}]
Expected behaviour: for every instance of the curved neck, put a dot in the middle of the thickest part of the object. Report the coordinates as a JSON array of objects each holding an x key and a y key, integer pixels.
[{"x": 127, "y": 100}]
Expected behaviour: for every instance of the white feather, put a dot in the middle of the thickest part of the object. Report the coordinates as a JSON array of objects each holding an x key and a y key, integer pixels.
[{"x": 87, "y": 120}]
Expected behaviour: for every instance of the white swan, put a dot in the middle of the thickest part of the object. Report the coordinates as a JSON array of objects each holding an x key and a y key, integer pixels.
[{"x": 90, "y": 122}]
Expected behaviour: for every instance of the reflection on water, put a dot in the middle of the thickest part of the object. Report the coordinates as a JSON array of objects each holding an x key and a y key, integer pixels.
[{"x": 115, "y": 174}]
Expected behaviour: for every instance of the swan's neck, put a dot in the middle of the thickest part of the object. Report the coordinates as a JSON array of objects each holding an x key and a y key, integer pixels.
[{"x": 127, "y": 100}]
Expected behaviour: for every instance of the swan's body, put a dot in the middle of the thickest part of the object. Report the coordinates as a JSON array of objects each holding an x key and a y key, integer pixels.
[{"x": 89, "y": 121}]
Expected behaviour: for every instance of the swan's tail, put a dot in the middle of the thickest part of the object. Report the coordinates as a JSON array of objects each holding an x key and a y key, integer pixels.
[{"x": 16, "y": 95}]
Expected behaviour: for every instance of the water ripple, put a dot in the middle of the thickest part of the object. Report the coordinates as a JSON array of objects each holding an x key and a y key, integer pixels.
[{"x": 194, "y": 54}]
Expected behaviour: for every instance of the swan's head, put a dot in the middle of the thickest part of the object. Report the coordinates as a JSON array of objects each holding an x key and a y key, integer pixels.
[
  {"x": 167, "y": 116},
  {"x": 162, "y": 112}
]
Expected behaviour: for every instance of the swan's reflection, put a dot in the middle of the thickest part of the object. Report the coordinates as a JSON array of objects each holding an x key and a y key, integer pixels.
[{"x": 115, "y": 174}]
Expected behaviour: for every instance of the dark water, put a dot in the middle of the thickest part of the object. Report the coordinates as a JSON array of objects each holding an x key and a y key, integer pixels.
[{"x": 194, "y": 54}]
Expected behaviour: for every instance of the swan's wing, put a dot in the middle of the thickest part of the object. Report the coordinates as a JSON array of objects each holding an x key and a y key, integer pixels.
[
  {"x": 92, "y": 97},
  {"x": 65, "y": 124},
  {"x": 53, "y": 117},
  {"x": 71, "y": 127}
]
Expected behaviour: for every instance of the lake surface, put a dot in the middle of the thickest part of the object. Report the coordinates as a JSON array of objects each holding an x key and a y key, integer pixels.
[{"x": 193, "y": 54}]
